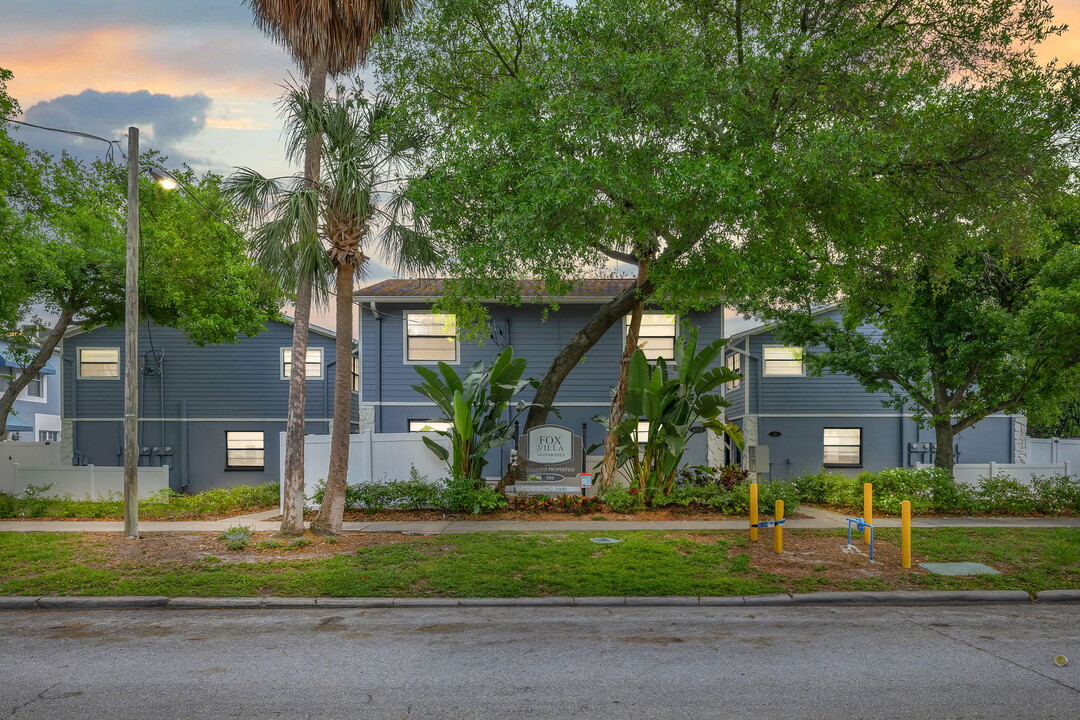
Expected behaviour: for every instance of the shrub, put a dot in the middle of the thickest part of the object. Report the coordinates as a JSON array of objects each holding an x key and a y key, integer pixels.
[
  {"x": 827, "y": 488},
  {"x": 9, "y": 506},
  {"x": 727, "y": 476},
  {"x": 1059, "y": 493},
  {"x": 270, "y": 544},
  {"x": 578, "y": 505},
  {"x": 467, "y": 495},
  {"x": 236, "y": 538},
  {"x": 623, "y": 500},
  {"x": 928, "y": 489},
  {"x": 1003, "y": 495}
]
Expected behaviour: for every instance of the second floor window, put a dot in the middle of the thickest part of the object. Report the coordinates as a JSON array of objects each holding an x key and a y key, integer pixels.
[
  {"x": 782, "y": 361},
  {"x": 355, "y": 374},
  {"x": 48, "y": 435},
  {"x": 36, "y": 388},
  {"x": 313, "y": 367},
  {"x": 657, "y": 336},
  {"x": 99, "y": 362},
  {"x": 733, "y": 363},
  {"x": 430, "y": 337}
]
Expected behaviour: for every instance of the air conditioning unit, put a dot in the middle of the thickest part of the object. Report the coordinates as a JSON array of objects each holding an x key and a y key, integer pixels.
[{"x": 757, "y": 458}]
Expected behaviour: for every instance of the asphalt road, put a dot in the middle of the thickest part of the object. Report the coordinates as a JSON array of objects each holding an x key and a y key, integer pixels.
[{"x": 685, "y": 663}]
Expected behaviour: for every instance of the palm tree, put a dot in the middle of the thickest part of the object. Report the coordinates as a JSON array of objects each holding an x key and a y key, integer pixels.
[
  {"x": 357, "y": 201},
  {"x": 324, "y": 37}
]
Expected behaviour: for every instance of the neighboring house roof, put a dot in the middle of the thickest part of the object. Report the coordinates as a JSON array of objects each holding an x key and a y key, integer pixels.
[
  {"x": 430, "y": 288},
  {"x": 284, "y": 319},
  {"x": 766, "y": 327}
]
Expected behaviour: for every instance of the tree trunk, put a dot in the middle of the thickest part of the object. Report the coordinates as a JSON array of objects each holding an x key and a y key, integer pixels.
[
  {"x": 611, "y": 441},
  {"x": 568, "y": 358},
  {"x": 20, "y": 381},
  {"x": 943, "y": 436},
  {"x": 328, "y": 521},
  {"x": 292, "y": 518}
]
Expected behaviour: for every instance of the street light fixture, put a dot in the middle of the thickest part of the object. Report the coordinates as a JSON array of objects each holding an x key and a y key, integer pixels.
[{"x": 163, "y": 178}]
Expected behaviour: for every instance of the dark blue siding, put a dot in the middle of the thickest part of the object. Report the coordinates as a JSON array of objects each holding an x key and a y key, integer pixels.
[{"x": 202, "y": 393}]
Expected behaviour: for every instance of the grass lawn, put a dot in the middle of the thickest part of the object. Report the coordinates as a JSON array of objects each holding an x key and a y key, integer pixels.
[{"x": 541, "y": 564}]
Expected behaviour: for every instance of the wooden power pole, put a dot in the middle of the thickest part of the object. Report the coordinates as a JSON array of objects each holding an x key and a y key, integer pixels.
[{"x": 131, "y": 344}]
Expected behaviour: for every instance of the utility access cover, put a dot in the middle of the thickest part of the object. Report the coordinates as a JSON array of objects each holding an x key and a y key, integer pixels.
[
  {"x": 605, "y": 541},
  {"x": 959, "y": 568}
]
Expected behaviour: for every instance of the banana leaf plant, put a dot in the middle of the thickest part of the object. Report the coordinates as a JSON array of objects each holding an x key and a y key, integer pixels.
[
  {"x": 476, "y": 408},
  {"x": 676, "y": 402}
]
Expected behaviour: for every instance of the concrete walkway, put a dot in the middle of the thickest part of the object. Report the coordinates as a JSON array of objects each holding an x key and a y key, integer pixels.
[{"x": 819, "y": 520}]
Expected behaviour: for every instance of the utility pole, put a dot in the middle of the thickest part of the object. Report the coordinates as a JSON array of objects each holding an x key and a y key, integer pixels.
[{"x": 131, "y": 344}]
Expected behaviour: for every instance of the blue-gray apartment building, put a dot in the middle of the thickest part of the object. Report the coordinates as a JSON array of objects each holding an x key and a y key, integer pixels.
[
  {"x": 831, "y": 421},
  {"x": 213, "y": 414}
]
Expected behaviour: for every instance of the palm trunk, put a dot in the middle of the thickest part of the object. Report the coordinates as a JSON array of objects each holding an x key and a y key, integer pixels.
[
  {"x": 329, "y": 519},
  {"x": 944, "y": 458},
  {"x": 292, "y": 518},
  {"x": 20, "y": 381},
  {"x": 618, "y": 403}
]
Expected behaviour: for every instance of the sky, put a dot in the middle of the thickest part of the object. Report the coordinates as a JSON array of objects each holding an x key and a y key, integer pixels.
[{"x": 194, "y": 75}]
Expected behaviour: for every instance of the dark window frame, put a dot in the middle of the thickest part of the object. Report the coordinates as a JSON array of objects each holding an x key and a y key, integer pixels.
[
  {"x": 243, "y": 468},
  {"x": 858, "y": 464}
]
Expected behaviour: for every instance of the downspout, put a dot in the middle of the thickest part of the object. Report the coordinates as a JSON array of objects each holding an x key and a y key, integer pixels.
[
  {"x": 75, "y": 453},
  {"x": 184, "y": 472},
  {"x": 161, "y": 404},
  {"x": 326, "y": 393},
  {"x": 378, "y": 366}
]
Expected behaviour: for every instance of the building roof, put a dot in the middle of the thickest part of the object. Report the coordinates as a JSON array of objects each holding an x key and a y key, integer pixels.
[{"x": 430, "y": 288}]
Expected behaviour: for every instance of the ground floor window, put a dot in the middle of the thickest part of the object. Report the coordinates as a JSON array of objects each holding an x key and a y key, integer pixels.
[
  {"x": 245, "y": 451},
  {"x": 428, "y": 425},
  {"x": 843, "y": 446}
]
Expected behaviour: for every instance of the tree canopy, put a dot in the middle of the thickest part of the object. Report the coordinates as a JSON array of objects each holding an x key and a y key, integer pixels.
[
  {"x": 63, "y": 265},
  {"x": 998, "y": 333},
  {"x": 749, "y": 151}
]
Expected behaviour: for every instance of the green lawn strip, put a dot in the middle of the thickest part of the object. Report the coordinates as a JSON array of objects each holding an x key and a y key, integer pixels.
[{"x": 646, "y": 563}]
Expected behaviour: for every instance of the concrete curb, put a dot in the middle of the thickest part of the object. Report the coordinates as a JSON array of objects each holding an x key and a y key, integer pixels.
[
  {"x": 1058, "y": 596},
  {"x": 846, "y": 599}
]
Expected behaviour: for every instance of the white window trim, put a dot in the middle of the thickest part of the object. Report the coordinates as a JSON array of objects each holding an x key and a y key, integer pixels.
[
  {"x": 322, "y": 364},
  {"x": 764, "y": 362},
  {"x": 405, "y": 341},
  {"x": 674, "y": 338},
  {"x": 78, "y": 363},
  {"x": 25, "y": 395}
]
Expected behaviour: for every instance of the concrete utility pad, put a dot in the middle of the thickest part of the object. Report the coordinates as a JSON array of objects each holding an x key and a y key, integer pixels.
[{"x": 959, "y": 568}]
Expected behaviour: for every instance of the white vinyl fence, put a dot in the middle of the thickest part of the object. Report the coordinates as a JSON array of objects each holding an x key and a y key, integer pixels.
[
  {"x": 971, "y": 473},
  {"x": 372, "y": 457},
  {"x": 1054, "y": 450},
  {"x": 86, "y": 482}
]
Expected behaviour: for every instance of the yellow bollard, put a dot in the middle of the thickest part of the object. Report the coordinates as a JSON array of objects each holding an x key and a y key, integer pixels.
[
  {"x": 779, "y": 515},
  {"x": 867, "y": 509},
  {"x": 753, "y": 511},
  {"x": 905, "y": 534}
]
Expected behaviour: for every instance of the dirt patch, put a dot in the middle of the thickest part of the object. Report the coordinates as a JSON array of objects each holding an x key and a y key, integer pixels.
[
  {"x": 109, "y": 551},
  {"x": 825, "y": 559},
  {"x": 184, "y": 517},
  {"x": 663, "y": 514}
]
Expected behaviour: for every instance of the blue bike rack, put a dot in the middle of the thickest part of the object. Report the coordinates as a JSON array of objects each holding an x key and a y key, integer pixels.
[{"x": 861, "y": 525}]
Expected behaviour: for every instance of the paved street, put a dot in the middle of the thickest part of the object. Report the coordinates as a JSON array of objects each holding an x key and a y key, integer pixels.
[{"x": 686, "y": 663}]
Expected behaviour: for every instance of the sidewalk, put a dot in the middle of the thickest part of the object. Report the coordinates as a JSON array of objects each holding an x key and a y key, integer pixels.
[{"x": 819, "y": 520}]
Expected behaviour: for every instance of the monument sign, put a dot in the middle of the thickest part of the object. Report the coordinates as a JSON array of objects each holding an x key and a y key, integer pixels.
[{"x": 553, "y": 455}]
